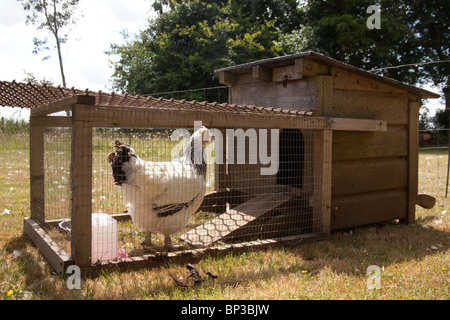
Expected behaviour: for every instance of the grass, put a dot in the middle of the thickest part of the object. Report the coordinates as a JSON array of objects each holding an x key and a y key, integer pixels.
[{"x": 414, "y": 260}]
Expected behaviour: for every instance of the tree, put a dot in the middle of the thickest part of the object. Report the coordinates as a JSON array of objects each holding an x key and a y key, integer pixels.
[
  {"x": 189, "y": 39},
  {"x": 54, "y": 15},
  {"x": 412, "y": 32},
  {"x": 414, "y": 37}
]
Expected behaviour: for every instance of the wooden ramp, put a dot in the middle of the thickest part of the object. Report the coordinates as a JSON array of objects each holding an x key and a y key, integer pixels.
[{"x": 228, "y": 222}]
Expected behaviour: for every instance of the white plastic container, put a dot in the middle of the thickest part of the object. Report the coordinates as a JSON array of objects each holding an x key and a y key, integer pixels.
[{"x": 104, "y": 237}]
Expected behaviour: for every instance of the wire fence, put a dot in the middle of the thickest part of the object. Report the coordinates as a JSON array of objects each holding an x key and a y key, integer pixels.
[
  {"x": 433, "y": 160},
  {"x": 434, "y": 139},
  {"x": 434, "y": 163},
  {"x": 217, "y": 94}
]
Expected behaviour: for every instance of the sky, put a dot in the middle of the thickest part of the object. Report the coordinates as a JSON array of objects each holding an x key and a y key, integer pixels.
[{"x": 85, "y": 62}]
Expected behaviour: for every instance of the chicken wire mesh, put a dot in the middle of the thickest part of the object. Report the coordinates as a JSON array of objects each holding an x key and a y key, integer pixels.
[{"x": 160, "y": 190}]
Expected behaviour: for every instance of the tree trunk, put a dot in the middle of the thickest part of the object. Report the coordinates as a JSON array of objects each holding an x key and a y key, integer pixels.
[
  {"x": 58, "y": 45},
  {"x": 447, "y": 107}
]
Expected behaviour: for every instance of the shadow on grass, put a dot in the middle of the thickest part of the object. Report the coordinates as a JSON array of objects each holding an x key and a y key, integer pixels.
[{"x": 380, "y": 245}]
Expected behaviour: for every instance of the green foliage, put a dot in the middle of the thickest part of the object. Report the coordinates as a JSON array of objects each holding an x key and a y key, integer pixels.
[
  {"x": 181, "y": 48},
  {"x": 411, "y": 32},
  {"x": 13, "y": 126},
  {"x": 300, "y": 40}
]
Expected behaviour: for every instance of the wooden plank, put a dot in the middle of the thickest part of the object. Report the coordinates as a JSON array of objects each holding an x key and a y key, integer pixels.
[
  {"x": 348, "y": 80},
  {"x": 227, "y": 78},
  {"x": 297, "y": 95},
  {"x": 353, "y": 177},
  {"x": 126, "y": 117},
  {"x": 63, "y": 104},
  {"x": 413, "y": 160},
  {"x": 369, "y": 105},
  {"x": 261, "y": 73},
  {"x": 228, "y": 222},
  {"x": 54, "y": 121},
  {"x": 37, "y": 170},
  {"x": 345, "y": 124},
  {"x": 56, "y": 256},
  {"x": 283, "y": 74},
  {"x": 81, "y": 165},
  {"x": 368, "y": 208},
  {"x": 193, "y": 256},
  {"x": 309, "y": 68},
  {"x": 370, "y": 145}
]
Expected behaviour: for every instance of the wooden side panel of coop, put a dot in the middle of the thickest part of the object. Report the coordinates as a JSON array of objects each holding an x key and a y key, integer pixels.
[{"x": 370, "y": 170}]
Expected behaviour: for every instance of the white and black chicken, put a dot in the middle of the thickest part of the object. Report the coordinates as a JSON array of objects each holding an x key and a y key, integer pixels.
[{"x": 162, "y": 196}]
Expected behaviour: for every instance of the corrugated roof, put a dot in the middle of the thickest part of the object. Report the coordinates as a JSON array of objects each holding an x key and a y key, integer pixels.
[
  {"x": 282, "y": 61},
  {"x": 29, "y": 95}
]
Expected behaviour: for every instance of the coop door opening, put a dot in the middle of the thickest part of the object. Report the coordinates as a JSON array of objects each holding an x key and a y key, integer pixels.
[{"x": 291, "y": 158}]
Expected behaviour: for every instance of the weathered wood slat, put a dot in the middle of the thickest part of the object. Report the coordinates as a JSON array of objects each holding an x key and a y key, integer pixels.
[
  {"x": 57, "y": 257},
  {"x": 37, "y": 170},
  {"x": 368, "y": 176},
  {"x": 374, "y": 207},
  {"x": 413, "y": 159},
  {"x": 81, "y": 165},
  {"x": 369, "y": 105},
  {"x": 370, "y": 145}
]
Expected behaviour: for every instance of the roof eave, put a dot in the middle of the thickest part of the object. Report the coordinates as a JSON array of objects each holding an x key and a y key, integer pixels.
[{"x": 290, "y": 59}]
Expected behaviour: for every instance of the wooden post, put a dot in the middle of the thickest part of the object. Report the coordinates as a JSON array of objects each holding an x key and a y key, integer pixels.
[
  {"x": 413, "y": 160},
  {"x": 322, "y": 181},
  {"x": 81, "y": 166},
  {"x": 37, "y": 170}
]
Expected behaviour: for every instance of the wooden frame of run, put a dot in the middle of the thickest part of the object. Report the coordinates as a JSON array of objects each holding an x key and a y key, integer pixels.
[{"x": 84, "y": 112}]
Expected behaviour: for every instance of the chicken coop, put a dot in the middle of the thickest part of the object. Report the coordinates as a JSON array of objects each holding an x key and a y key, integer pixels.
[
  {"x": 304, "y": 146},
  {"x": 374, "y": 174}
]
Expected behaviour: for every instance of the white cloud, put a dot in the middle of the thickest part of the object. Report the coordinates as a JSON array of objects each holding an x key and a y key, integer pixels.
[{"x": 85, "y": 62}]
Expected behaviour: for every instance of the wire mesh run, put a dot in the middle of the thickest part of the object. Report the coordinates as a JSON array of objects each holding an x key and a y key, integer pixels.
[{"x": 248, "y": 185}]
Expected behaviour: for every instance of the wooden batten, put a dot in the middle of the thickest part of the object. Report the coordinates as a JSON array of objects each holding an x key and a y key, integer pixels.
[
  {"x": 347, "y": 80},
  {"x": 413, "y": 160},
  {"x": 63, "y": 104},
  {"x": 262, "y": 73},
  {"x": 345, "y": 124},
  {"x": 37, "y": 171},
  {"x": 81, "y": 166},
  {"x": 227, "y": 78},
  {"x": 308, "y": 68},
  {"x": 109, "y": 116},
  {"x": 369, "y": 175},
  {"x": 322, "y": 181},
  {"x": 361, "y": 209},
  {"x": 56, "y": 256}
]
